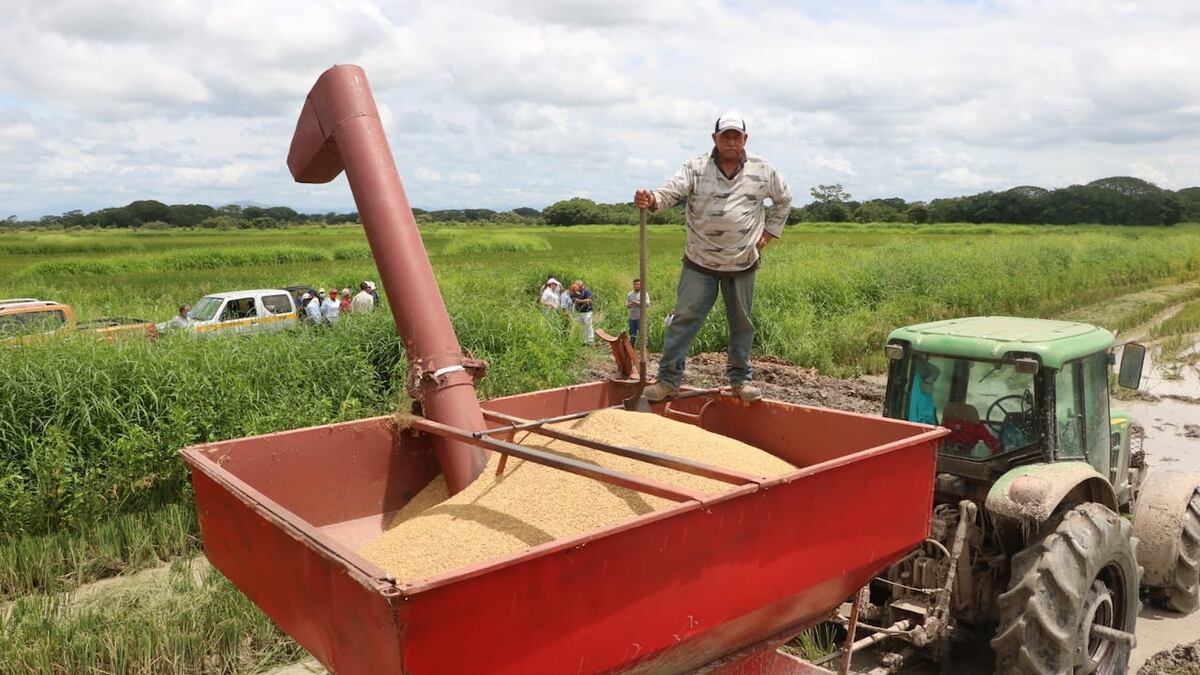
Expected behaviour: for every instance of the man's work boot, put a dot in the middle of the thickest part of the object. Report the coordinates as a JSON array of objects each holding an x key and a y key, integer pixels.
[
  {"x": 659, "y": 391},
  {"x": 746, "y": 391}
]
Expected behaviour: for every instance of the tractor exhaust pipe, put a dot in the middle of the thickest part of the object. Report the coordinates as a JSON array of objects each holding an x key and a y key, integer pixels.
[{"x": 339, "y": 129}]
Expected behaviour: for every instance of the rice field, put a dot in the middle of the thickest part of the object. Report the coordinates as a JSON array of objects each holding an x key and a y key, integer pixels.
[{"x": 90, "y": 483}]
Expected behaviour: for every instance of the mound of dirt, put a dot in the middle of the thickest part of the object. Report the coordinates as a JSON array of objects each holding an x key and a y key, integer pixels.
[
  {"x": 778, "y": 380},
  {"x": 1182, "y": 660}
]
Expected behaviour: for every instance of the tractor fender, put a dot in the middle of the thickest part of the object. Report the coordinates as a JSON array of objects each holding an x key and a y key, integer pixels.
[
  {"x": 1030, "y": 494},
  {"x": 1158, "y": 521}
]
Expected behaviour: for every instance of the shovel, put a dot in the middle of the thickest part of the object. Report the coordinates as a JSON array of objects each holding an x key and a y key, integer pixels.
[{"x": 638, "y": 401}]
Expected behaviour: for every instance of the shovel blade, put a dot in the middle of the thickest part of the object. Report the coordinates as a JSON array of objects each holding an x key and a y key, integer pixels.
[{"x": 638, "y": 402}]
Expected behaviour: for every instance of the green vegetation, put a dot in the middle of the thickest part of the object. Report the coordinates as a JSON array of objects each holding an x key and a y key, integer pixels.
[
  {"x": 184, "y": 619},
  {"x": 1135, "y": 309},
  {"x": 63, "y": 560},
  {"x": 1116, "y": 200},
  {"x": 1186, "y": 320},
  {"x": 503, "y": 242},
  {"x": 812, "y": 644},
  {"x": 91, "y": 484}
]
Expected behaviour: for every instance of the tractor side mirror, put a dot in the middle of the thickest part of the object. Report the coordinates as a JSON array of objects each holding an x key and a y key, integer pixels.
[{"x": 1133, "y": 356}]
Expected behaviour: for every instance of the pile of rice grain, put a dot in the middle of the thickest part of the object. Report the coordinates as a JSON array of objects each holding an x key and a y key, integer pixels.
[{"x": 531, "y": 504}]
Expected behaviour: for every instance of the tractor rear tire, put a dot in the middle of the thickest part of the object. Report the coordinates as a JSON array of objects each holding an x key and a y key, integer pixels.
[
  {"x": 1081, "y": 571},
  {"x": 1183, "y": 593}
]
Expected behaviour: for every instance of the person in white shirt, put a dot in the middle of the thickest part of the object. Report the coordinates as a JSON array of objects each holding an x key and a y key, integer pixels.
[
  {"x": 727, "y": 230},
  {"x": 363, "y": 301},
  {"x": 330, "y": 308},
  {"x": 312, "y": 308},
  {"x": 181, "y": 320},
  {"x": 550, "y": 300},
  {"x": 564, "y": 303},
  {"x": 633, "y": 302}
]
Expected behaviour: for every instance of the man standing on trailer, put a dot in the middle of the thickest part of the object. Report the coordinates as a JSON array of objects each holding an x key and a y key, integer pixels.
[{"x": 727, "y": 229}]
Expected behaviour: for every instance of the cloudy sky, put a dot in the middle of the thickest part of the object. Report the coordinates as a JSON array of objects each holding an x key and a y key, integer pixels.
[{"x": 514, "y": 103}]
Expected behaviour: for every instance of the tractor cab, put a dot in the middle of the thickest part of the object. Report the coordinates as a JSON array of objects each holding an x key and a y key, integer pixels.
[{"x": 1012, "y": 391}]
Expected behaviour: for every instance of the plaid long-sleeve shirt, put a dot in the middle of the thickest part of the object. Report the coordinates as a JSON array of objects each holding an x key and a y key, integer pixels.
[{"x": 725, "y": 216}]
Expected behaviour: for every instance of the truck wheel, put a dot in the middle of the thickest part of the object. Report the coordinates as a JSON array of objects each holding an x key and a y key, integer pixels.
[
  {"x": 1081, "y": 573},
  {"x": 1183, "y": 593}
]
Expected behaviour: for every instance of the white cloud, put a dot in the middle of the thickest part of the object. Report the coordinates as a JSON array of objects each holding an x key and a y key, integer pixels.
[
  {"x": 837, "y": 164},
  {"x": 425, "y": 174},
  {"x": 17, "y": 132},
  {"x": 1148, "y": 172},
  {"x": 219, "y": 176},
  {"x": 531, "y": 101},
  {"x": 468, "y": 179},
  {"x": 961, "y": 176}
]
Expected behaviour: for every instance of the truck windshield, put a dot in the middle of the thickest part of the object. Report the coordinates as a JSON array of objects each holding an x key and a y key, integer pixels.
[
  {"x": 31, "y": 323},
  {"x": 988, "y": 406},
  {"x": 205, "y": 309}
]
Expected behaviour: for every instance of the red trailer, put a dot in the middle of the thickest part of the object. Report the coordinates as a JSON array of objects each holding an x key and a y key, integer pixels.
[{"x": 713, "y": 583}]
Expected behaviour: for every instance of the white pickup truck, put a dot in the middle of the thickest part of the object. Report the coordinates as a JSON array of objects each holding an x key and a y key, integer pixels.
[{"x": 253, "y": 311}]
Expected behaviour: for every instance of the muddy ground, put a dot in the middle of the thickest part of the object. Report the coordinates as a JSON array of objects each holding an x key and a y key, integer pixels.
[
  {"x": 778, "y": 380},
  {"x": 1182, "y": 660}
]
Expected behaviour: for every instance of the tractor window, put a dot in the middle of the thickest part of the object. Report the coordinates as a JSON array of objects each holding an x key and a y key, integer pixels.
[
  {"x": 1068, "y": 411},
  {"x": 1095, "y": 406},
  {"x": 988, "y": 406}
]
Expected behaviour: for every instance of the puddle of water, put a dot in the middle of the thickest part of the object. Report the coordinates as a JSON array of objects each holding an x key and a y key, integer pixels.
[
  {"x": 1174, "y": 379},
  {"x": 1166, "y": 421},
  {"x": 1167, "y": 448}
]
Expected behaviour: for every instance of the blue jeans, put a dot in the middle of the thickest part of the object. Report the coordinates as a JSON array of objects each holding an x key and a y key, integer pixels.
[
  {"x": 634, "y": 325},
  {"x": 695, "y": 297}
]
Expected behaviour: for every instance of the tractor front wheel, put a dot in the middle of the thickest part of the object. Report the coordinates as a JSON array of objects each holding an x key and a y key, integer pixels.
[{"x": 1073, "y": 594}]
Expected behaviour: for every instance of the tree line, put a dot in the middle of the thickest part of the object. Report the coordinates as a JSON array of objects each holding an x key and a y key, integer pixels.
[{"x": 1118, "y": 200}]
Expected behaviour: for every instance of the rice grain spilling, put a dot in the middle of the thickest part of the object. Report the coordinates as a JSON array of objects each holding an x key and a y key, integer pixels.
[{"x": 531, "y": 504}]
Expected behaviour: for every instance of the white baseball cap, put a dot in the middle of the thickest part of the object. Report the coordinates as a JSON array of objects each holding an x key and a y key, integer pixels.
[
  {"x": 553, "y": 281},
  {"x": 730, "y": 120}
]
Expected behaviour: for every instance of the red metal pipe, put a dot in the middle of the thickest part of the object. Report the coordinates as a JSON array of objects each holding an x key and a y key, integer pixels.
[{"x": 339, "y": 129}]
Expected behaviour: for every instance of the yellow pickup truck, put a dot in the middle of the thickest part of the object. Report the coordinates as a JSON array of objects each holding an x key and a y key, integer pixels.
[{"x": 25, "y": 320}]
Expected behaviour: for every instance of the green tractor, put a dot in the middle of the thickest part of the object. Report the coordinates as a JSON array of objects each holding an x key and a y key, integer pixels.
[{"x": 1047, "y": 528}]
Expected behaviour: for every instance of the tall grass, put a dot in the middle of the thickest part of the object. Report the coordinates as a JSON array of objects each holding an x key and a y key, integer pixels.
[
  {"x": 503, "y": 242},
  {"x": 1186, "y": 320},
  {"x": 187, "y": 619},
  {"x": 186, "y": 260},
  {"x": 63, "y": 560},
  {"x": 88, "y": 429}
]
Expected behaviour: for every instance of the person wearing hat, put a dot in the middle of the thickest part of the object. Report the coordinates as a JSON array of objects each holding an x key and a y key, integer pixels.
[
  {"x": 374, "y": 292},
  {"x": 362, "y": 302},
  {"x": 312, "y": 306},
  {"x": 727, "y": 229},
  {"x": 551, "y": 294}
]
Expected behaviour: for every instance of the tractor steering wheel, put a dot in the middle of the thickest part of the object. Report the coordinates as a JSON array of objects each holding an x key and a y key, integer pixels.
[{"x": 1026, "y": 403}]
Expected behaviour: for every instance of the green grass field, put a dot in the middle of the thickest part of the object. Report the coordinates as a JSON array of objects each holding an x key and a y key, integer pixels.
[{"x": 90, "y": 481}]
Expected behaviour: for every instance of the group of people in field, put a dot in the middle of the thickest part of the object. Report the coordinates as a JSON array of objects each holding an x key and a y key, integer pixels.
[
  {"x": 577, "y": 303},
  {"x": 327, "y": 307}
]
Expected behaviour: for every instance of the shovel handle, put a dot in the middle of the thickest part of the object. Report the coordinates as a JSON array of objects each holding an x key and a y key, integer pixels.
[{"x": 643, "y": 326}]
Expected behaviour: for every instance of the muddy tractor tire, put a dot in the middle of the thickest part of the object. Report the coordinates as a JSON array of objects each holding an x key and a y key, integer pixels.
[
  {"x": 1081, "y": 572},
  {"x": 1167, "y": 519}
]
